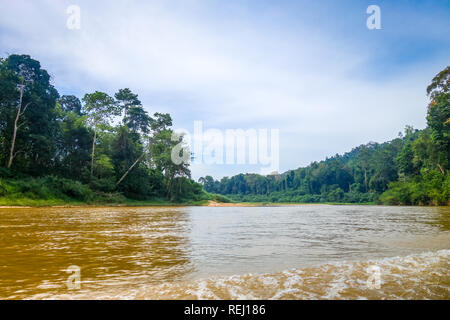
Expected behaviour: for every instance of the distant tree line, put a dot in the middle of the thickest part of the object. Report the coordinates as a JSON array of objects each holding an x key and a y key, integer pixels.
[
  {"x": 100, "y": 145},
  {"x": 411, "y": 169}
]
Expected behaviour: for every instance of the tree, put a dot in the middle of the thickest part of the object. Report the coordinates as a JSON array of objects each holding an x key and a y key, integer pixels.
[
  {"x": 73, "y": 145},
  {"x": 364, "y": 156},
  {"x": 33, "y": 130},
  {"x": 100, "y": 108},
  {"x": 207, "y": 183},
  {"x": 161, "y": 148},
  {"x": 127, "y": 99},
  {"x": 161, "y": 122},
  {"x": 405, "y": 161},
  {"x": 19, "y": 113},
  {"x": 70, "y": 103},
  {"x": 126, "y": 152},
  {"x": 438, "y": 116},
  {"x": 440, "y": 84},
  {"x": 137, "y": 120}
]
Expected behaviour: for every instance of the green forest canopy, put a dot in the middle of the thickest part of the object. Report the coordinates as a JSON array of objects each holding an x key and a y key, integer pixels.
[{"x": 99, "y": 148}]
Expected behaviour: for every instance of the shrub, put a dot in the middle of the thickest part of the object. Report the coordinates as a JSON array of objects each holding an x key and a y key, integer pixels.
[
  {"x": 221, "y": 198},
  {"x": 430, "y": 188}
]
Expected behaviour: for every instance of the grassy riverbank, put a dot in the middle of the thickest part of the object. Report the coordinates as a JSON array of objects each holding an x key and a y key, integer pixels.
[{"x": 52, "y": 191}]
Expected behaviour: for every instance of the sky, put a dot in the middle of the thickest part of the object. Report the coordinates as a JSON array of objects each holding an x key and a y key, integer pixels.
[{"x": 310, "y": 69}]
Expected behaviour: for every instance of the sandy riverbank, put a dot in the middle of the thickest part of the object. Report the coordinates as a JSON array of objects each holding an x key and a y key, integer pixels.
[{"x": 223, "y": 204}]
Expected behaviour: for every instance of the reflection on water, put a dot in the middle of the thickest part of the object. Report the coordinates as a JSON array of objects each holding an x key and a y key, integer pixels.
[
  {"x": 199, "y": 252},
  {"x": 440, "y": 217}
]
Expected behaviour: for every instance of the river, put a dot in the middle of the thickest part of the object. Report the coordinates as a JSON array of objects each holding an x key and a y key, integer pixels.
[{"x": 286, "y": 252}]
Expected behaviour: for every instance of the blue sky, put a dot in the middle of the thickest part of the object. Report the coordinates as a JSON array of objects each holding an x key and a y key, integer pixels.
[{"x": 311, "y": 69}]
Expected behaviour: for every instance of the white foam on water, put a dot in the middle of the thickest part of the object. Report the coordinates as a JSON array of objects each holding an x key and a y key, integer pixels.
[{"x": 417, "y": 276}]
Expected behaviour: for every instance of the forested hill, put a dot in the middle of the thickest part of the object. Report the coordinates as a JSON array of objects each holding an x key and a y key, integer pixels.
[
  {"x": 411, "y": 169},
  {"x": 57, "y": 149}
]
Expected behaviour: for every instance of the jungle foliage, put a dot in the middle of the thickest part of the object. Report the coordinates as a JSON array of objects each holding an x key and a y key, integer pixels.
[{"x": 100, "y": 147}]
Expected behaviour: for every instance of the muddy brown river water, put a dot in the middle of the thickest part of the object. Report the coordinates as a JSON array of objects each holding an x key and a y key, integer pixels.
[{"x": 288, "y": 252}]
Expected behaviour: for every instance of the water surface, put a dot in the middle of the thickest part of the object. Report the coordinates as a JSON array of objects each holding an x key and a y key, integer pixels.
[{"x": 289, "y": 252}]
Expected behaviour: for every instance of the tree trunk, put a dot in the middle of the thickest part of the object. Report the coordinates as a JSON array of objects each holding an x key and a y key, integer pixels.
[
  {"x": 365, "y": 178},
  {"x": 169, "y": 187},
  {"x": 129, "y": 170},
  {"x": 93, "y": 153},
  {"x": 16, "y": 121}
]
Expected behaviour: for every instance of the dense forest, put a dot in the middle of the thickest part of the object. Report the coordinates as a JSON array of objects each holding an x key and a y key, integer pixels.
[
  {"x": 100, "y": 149},
  {"x": 108, "y": 149},
  {"x": 411, "y": 169}
]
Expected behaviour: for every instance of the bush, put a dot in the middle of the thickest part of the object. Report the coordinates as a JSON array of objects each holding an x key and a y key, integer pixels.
[
  {"x": 220, "y": 198},
  {"x": 46, "y": 188},
  {"x": 5, "y": 173},
  {"x": 430, "y": 188}
]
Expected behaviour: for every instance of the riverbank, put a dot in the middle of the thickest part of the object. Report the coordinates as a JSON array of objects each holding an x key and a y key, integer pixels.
[
  {"x": 50, "y": 191},
  {"x": 276, "y": 204},
  {"x": 117, "y": 200},
  {"x": 31, "y": 203}
]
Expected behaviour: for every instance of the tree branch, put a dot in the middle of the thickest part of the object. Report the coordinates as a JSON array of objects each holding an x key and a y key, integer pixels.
[
  {"x": 20, "y": 125},
  {"x": 131, "y": 168},
  {"x": 24, "y": 109},
  {"x": 16, "y": 153}
]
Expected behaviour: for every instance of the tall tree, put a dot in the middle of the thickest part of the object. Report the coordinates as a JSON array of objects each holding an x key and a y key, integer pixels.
[
  {"x": 161, "y": 122},
  {"x": 70, "y": 103},
  {"x": 364, "y": 157},
  {"x": 33, "y": 129},
  {"x": 438, "y": 117},
  {"x": 127, "y": 99},
  {"x": 74, "y": 145},
  {"x": 137, "y": 120},
  {"x": 16, "y": 125},
  {"x": 100, "y": 109},
  {"x": 126, "y": 150},
  {"x": 161, "y": 149},
  {"x": 440, "y": 84}
]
